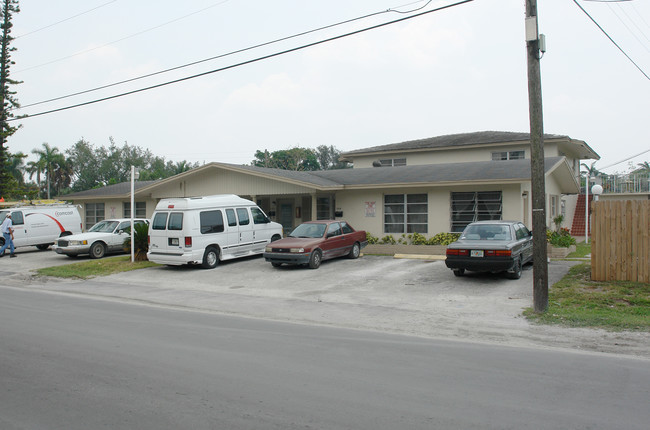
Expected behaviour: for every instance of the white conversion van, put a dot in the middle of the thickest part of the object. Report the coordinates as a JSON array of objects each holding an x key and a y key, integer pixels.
[
  {"x": 42, "y": 225},
  {"x": 206, "y": 230}
]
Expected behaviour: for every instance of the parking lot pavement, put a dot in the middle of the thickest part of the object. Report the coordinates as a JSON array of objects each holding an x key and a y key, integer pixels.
[{"x": 409, "y": 296}]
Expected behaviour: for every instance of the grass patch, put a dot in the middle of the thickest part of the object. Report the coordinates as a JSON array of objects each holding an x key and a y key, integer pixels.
[
  {"x": 582, "y": 250},
  {"x": 577, "y": 301},
  {"x": 93, "y": 268}
]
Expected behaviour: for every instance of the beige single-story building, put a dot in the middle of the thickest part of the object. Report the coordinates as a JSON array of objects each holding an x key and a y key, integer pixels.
[{"x": 428, "y": 186}]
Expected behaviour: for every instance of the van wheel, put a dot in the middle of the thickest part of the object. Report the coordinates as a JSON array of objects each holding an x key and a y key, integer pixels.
[
  {"x": 355, "y": 251},
  {"x": 97, "y": 250},
  {"x": 210, "y": 258},
  {"x": 315, "y": 259},
  {"x": 276, "y": 237},
  {"x": 65, "y": 233},
  {"x": 43, "y": 246}
]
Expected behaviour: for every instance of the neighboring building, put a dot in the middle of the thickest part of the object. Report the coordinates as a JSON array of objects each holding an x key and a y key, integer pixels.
[{"x": 427, "y": 186}]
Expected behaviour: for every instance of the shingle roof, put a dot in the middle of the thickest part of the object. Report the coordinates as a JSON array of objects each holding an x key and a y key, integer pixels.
[
  {"x": 454, "y": 140},
  {"x": 120, "y": 189},
  {"x": 430, "y": 173}
]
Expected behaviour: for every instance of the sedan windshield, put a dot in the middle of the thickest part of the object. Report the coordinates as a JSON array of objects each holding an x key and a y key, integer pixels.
[
  {"x": 104, "y": 227},
  {"x": 308, "y": 230},
  {"x": 487, "y": 232}
]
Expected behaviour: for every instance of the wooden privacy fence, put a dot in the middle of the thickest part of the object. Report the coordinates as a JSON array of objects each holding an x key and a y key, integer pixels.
[{"x": 620, "y": 247}]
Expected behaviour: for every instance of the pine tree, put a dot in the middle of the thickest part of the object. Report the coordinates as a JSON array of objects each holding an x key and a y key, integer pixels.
[{"x": 7, "y": 99}]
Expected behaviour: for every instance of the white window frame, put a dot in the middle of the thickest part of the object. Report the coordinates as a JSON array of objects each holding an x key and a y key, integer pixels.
[
  {"x": 406, "y": 213},
  {"x": 467, "y": 207}
]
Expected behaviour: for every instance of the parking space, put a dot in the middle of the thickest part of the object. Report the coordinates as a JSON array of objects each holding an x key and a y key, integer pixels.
[{"x": 408, "y": 296}]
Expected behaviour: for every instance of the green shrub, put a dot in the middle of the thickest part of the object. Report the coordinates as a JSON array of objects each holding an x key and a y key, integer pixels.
[
  {"x": 140, "y": 241},
  {"x": 371, "y": 239},
  {"x": 561, "y": 238},
  {"x": 390, "y": 240},
  {"x": 443, "y": 239}
]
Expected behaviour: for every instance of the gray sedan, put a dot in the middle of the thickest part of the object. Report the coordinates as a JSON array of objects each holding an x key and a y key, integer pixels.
[{"x": 491, "y": 246}]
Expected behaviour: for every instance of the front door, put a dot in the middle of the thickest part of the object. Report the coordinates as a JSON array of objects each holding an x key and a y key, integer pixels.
[{"x": 286, "y": 217}]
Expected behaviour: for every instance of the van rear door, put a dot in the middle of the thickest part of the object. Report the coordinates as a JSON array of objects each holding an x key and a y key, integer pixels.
[{"x": 166, "y": 233}]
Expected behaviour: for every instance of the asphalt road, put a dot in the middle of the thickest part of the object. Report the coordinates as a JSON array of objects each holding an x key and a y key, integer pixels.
[
  {"x": 404, "y": 296},
  {"x": 74, "y": 363}
]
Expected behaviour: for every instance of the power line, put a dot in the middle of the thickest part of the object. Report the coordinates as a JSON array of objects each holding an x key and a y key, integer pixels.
[
  {"x": 612, "y": 40},
  {"x": 64, "y": 20},
  {"x": 238, "y": 51},
  {"x": 232, "y": 66},
  {"x": 123, "y": 38}
]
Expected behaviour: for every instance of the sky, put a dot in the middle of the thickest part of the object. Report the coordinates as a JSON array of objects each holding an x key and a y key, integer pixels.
[{"x": 460, "y": 69}]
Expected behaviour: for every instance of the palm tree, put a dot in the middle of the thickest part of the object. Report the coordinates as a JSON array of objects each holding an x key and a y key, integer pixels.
[
  {"x": 49, "y": 157},
  {"x": 36, "y": 168},
  {"x": 16, "y": 166},
  {"x": 590, "y": 170},
  {"x": 645, "y": 167}
]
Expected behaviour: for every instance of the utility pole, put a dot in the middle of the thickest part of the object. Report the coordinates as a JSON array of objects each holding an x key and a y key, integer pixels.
[{"x": 540, "y": 264}]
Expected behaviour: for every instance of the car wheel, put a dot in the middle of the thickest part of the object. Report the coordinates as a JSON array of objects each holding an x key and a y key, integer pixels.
[
  {"x": 210, "y": 258},
  {"x": 43, "y": 247},
  {"x": 315, "y": 259},
  {"x": 276, "y": 264},
  {"x": 516, "y": 270},
  {"x": 355, "y": 251},
  {"x": 459, "y": 272},
  {"x": 97, "y": 250}
]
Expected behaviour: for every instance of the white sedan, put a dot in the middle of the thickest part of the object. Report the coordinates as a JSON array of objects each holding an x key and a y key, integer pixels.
[{"x": 105, "y": 237}]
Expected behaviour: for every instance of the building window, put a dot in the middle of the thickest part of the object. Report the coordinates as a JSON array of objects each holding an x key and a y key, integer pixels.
[
  {"x": 393, "y": 162},
  {"x": 406, "y": 213},
  {"x": 505, "y": 155},
  {"x": 94, "y": 213},
  {"x": 554, "y": 206},
  {"x": 324, "y": 208},
  {"x": 467, "y": 207},
  {"x": 140, "y": 209}
]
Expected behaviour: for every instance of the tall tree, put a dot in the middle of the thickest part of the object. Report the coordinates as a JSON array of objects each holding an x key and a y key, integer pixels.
[
  {"x": 644, "y": 167},
  {"x": 17, "y": 167},
  {"x": 51, "y": 159},
  {"x": 35, "y": 168},
  {"x": 7, "y": 99}
]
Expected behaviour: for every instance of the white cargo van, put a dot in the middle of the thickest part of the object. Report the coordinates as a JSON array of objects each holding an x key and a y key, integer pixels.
[
  {"x": 206, "y": 230},
  {"x": 42, "y": 225}
]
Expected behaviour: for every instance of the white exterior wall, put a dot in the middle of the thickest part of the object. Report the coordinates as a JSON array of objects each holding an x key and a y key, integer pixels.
[
  {"x": 216, "y": 181},
  {"x": 459, "y": 155},
  {"x": 353, "y": 205}
]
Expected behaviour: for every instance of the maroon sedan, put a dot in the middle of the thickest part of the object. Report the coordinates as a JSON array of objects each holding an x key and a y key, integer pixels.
[{"x": 315, "y": 241}]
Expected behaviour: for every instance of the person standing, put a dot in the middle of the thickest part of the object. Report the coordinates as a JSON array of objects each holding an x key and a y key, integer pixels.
[{"x": 8, "y": 234}]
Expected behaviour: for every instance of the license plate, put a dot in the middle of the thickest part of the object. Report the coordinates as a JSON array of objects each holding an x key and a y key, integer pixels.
[
  {"x": 476, "y": 253},
  {"x": 173, "y": 241}
]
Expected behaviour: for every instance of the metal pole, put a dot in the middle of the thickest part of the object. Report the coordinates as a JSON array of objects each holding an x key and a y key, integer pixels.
[
  {"x": 132, "y": 212},
  {"x": 537, "y": 178},
  {"x": 587, "y": 208}
]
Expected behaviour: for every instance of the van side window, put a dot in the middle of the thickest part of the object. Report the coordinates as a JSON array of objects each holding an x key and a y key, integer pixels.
[
  {"x": 258, "y": 216},
  {"x": 159, "y": 221},
  {"x": 175, "y": 221},
  {"x": 242, "y": 214},
  {"x": 232, "y": 219},
  {"x": 211, "y": 222},
  {"x": 17, "y": 218}
]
